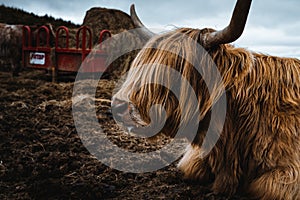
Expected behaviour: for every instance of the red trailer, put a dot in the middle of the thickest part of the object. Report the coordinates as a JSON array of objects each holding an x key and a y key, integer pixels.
[{"x": 61, "y": 57}]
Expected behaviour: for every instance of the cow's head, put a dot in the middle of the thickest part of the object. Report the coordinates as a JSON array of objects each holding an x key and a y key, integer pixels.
[{"x": 135, "y": 105}]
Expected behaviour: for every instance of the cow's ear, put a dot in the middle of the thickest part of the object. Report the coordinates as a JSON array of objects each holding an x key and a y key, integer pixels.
[
  {"x": 202, "y": 36},
  {"x": 144, "y": 32}
]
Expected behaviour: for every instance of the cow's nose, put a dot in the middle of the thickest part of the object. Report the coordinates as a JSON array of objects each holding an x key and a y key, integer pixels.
[{"x": 119, "y": 109}]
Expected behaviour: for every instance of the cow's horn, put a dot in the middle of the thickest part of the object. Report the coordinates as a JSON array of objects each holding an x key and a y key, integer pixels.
[
  {"x": 142, "y": 30},
  {"x": 51, "y": 29},
  {"x": 234, "y": 30}
]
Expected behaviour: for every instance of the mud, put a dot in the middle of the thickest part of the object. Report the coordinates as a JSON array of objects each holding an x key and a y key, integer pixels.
[{"x": 43, "y": 157}]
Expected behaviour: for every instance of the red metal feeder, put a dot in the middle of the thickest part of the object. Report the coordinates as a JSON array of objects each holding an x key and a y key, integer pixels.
[{"x": 62, "y": 57}]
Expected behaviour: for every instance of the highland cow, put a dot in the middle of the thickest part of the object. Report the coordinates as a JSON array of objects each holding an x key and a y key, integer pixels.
[
  {"x": 258, "y": 152},
  {"x": 11, "y": 46}
]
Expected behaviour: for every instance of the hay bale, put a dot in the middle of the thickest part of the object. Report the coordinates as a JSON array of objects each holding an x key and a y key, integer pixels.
[
  {"x": 113, "y": 20},
  {"x": 116, "y": 22}
]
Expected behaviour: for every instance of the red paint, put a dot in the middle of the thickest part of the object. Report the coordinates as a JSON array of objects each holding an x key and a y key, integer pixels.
[
  {"x": 66, "y": 59},
  {"x": 28, "y": 47}
]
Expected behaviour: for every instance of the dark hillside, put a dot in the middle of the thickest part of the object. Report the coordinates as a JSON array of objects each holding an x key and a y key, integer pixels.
[{"x": 18, "y": 16}]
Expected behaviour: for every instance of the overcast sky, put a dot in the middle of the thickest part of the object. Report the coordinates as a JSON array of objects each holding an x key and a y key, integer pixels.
[{"x": 273, "y": 26}]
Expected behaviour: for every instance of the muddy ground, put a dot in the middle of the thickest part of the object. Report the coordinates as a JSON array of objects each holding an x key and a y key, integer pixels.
[{"x": 42, "y": 156}]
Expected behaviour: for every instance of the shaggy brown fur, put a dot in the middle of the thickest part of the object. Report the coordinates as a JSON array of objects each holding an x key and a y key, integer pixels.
[
  {"x": 11, "y": 46},
  {"x": 258, "y": 152}
]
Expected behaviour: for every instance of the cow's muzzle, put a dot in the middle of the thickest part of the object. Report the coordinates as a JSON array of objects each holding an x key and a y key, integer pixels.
[
  {"x": 128, "y": 116},
  {"x": 122, "y": 113}
]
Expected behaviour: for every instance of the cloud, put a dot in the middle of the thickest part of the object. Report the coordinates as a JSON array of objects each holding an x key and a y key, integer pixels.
[
  {"x": 273, "y": 26},
  {"x": 272, "y": 41}
]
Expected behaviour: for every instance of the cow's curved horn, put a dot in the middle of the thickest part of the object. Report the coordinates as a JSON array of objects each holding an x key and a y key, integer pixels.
[
  {"x": 51, "y": 29},
  {"x": 234, "y": 30},
  {"x": 143, "y": 31}
]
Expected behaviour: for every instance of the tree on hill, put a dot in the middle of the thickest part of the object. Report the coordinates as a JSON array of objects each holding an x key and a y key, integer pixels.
[{"x": 10, "y": 15}]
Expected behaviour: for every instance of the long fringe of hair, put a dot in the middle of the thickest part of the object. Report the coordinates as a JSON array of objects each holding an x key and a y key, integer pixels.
[
  {"x": 245, "y": 75},
  {"x": 263, "y": 105}
]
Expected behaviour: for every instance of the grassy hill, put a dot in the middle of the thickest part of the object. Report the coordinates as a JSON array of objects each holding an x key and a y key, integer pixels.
[{"x": 10, "y": 15}]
